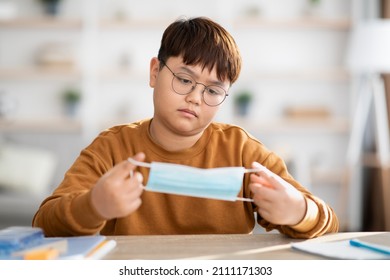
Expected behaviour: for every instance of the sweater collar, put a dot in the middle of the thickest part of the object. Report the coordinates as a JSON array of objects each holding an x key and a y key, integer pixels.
[{"x": 197, "y": 148}]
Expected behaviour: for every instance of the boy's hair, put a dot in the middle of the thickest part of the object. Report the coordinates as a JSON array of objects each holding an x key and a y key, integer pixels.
[{"x": 202, "y": 41}]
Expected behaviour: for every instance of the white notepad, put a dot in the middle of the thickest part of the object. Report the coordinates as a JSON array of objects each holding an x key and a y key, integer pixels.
[{"x": 343, "y": 250}]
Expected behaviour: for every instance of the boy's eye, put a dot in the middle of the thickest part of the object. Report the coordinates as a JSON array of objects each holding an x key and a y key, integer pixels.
[
  {"x": 184, "y": 80},
  {"x": 212, "y": 91}
]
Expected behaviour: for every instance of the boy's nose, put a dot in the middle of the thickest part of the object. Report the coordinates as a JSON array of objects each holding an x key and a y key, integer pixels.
[{"x": 196, "y": 95}]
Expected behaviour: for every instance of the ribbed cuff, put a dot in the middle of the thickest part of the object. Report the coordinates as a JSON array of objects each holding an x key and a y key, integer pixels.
[
  {"x": 85, "y": 214},
  {"x": 311, "y": 217}
]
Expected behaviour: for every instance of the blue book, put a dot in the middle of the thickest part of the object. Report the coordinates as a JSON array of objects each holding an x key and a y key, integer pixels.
[
  {"x": 18, "y": 238},
  {"x": 16, "y": 241}
]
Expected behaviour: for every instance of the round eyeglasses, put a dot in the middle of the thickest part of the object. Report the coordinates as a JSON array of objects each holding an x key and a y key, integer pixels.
[{"x": 184, "y": 84}]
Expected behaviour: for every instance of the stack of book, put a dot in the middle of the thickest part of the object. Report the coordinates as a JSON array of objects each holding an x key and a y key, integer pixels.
[{"x": 28, "y": 243}]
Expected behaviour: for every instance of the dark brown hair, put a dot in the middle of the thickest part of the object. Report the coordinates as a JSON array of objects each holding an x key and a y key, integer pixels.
[{"x": 202, "y": 41}]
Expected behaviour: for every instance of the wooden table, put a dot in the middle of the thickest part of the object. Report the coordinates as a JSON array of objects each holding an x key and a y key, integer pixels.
[{"x": 270, "y": 246}]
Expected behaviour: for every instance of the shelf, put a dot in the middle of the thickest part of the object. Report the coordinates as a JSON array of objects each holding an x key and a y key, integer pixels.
[
  {"x": 329, "y": 176},
  {"x": 304, "y": 22},
  {"x": 371, "y": 159},
  {"x": 293, "y": 125},
  {"x": 331, "y": 75},
  {"x": 50, "y": 125},
  {"x": 33, "y": 73},
  {"x": 133, "y": 23},
  {"x": 327, "y": 75},
  {"x": 335, "y": 75},
  {"x": 123, "y": 74},
  {"x": 43, "y": 22}
]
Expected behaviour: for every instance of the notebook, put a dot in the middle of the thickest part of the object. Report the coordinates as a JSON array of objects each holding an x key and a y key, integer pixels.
[
  {"x": 344, "y": 250},
  {"x": 86, "y": 247}
]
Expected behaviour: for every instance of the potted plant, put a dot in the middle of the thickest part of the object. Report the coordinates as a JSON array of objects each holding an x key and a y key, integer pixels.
[
  {"x": 314, "y": 7},
  {"x": 71, "y": 98},
  {"x": 242, "y": 100},
  {"x": 50, "y": 6}
]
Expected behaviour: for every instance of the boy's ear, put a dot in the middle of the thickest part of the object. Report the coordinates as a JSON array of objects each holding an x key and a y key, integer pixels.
[{"x": 154, "y": 69}]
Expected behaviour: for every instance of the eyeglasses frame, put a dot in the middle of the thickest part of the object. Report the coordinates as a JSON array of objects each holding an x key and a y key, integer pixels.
[{"x": 196, "y": 83}]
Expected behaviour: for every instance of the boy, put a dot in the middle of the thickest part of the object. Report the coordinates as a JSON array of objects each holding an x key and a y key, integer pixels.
[{"x": 103, "y": 192}]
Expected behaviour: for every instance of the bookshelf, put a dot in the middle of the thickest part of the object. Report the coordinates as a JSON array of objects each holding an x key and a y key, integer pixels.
[{"x": 295, "y": 60}]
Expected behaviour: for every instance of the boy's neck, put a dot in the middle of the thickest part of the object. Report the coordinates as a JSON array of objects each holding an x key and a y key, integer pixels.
[{"x": 169, "y": 140}]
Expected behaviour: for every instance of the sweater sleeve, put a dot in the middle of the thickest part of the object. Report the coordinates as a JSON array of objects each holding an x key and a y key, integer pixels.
[
  {"x": 327, "y": 222},
  {"x": 319, "y": 219},
  {"x": 310, "y": 219},
  {"x": 69, "y": 211},
  {"x": 60, "y": 215}
]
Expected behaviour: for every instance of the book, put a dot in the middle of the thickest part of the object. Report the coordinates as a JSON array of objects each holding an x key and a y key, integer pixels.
[
  {"x": 30, "y": 243},
  {"x": 17, "y": 238},
  {"x": 86, "y": 247},
  {"x": 101, "y": 250},
  {"x": 61, "y": 246},
  {"x": 348, "y": 249}
]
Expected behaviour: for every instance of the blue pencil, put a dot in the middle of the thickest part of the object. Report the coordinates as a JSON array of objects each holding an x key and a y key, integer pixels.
[{"x": 370, "y": 246}]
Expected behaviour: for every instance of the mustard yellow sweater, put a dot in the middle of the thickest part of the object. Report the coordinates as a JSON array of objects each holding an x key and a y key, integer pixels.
[{"x": 68, "y": 211}]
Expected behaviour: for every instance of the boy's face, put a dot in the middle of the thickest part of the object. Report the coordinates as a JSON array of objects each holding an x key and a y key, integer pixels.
[{"x": 184, "y": 115}]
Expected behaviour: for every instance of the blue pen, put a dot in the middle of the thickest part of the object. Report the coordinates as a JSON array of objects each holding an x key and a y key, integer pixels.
[{"x": 370, "y": 246}]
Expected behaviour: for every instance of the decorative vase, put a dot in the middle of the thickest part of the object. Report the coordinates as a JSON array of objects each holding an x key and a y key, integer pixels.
[
  {"x": 242, "y": 109},
  {"x": 71, "y": 109},
  {"x": 52, "y": 8}
]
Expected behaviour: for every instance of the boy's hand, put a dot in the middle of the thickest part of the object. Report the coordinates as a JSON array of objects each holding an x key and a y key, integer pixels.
[
  {"x": 116, "y": 194},
  {"x": 278, "y": 201}
]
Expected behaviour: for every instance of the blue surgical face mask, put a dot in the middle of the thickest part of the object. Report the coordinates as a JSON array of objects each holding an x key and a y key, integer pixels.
[{"x": 222, "y": 183}]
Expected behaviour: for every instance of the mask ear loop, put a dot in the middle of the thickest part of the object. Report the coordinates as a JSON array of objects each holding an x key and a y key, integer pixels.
[
  {"x": 138, "y": 163},
  {"x": 249, "y": 171},
  {"x": 245, "y": 199},
  {"x": 254, "y": 170}
]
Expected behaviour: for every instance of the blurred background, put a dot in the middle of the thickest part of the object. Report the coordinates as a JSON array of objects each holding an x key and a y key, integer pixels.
[{"x": 71, "y": 68}]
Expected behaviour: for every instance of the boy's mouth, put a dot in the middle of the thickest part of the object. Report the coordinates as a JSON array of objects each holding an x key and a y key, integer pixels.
[{"x": 188, "y": 111}]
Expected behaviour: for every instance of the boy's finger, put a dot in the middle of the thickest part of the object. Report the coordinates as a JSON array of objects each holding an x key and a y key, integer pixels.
[
  {"x": 123, "y": 168},
  {"x": 261, "y": 192},
  {"x": 260, "y": 179},
  {"x": 137, "y": 157},
  {"x": 272, "y": 179}
]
